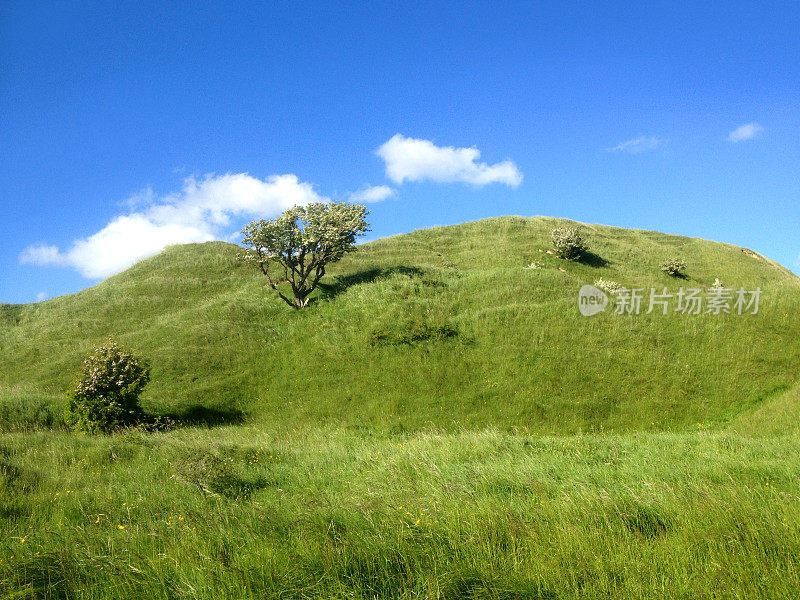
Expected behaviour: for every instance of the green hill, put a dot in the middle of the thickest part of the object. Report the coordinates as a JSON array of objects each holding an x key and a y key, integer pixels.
[
  {"x": 445, "y": 327},
  {"x": 383, "y": 443}
]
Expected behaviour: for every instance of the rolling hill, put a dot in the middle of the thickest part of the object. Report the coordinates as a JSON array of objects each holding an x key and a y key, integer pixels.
[
  {"x": 440, "y": 423},
  {"x": 446, "y": 327}
]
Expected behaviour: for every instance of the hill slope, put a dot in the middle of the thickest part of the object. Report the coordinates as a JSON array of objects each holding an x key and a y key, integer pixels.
[{"x": 443, "y": 327}]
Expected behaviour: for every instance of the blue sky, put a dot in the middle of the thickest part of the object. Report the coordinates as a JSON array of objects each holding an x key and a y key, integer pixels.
[{"x": 125, "y": 126}]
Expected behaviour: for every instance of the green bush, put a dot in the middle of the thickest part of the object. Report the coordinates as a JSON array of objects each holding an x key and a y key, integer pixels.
[
  {"x": 569, "y": 243},
  {"x": 106, "y": 395},
  {"x": 674, "y": 267}
]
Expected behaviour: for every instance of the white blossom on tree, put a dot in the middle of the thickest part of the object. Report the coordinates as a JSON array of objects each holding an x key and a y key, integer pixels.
[{"x": 296, "y": 247}]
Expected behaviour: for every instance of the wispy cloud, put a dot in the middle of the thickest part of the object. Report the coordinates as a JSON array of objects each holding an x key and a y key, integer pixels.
[
  {"x": 745, "y": 132},
  {"x": 373, "y": 193},
  {"x": 200, "y": 212},
  {"x": 639, "y": 144},
  {"x": 41, "y": 296},
  {"x": 410, "y": 159}
]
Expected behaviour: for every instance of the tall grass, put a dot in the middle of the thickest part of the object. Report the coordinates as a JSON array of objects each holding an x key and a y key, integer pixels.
[{"x": 248, "y": 512}]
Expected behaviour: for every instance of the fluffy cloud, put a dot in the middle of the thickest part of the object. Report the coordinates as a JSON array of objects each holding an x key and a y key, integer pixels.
[
  {"x": 41, "y": 254},
  {"x": 745, "y": 132},
  {"x": 198, "y": 213},
  {"x": 637, "y": 145},
  {"x": 373, "y": 193},
  {"x": 409, "y": 159}
]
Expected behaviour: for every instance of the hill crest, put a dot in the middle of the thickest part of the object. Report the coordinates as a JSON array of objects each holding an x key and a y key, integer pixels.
[{"x": 446, "y": 327}]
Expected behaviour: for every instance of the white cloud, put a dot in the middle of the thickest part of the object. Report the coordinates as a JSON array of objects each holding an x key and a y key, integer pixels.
[
  {"x": 745, "y": 132},
  {"x": 198, "y": 213},
  {"x": 41, "y": 296},
  {"x": 637, "y": 145},
  {"x": 41, "y": 254},
  {"x": 417, "y": 160},
  {"x": 373, "y": 193}
]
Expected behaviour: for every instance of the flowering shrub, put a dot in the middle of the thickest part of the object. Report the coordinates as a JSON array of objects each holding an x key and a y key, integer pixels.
[
  {"x": 106, "y": 395},
  {"x": 674, "y": 267},
  {"x": 569, "y": 243},
  {"x": 608, "y": 286}
]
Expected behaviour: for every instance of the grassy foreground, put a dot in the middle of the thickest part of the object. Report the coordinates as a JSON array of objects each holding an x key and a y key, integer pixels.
[{"x": 247, "y": 512}]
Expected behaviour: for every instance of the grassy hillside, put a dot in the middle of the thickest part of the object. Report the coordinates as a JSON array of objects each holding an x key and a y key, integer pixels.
[
  {"x": 386, "y": 442},
  {"x": 443, "y": 327}
]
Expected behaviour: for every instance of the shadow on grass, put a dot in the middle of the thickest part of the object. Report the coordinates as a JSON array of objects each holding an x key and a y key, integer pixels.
[
  {"x": 344, "y": 282},
  {"x": 204, "y": 416},
  {"x": 681, "y": 276},
  {"x": 593, "y": 260}
]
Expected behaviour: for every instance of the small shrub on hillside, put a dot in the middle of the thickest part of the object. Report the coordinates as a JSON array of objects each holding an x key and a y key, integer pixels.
[
  {"x": 674, "y": 267},
  {"x": 569, "y": 243},
  {"x": 608, "y": 286},
  {"x": 106, "y": 395}
]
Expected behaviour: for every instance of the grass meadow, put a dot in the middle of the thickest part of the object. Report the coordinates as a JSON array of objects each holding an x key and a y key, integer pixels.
[
  {"x": 440, "y": 423},
  {"x": 247, "y": 512}
]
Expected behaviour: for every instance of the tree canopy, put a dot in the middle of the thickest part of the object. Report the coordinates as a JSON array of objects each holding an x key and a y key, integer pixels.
[{"x": 301, "y": 243}]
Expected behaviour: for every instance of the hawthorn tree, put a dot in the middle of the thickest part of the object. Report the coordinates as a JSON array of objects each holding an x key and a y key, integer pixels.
[
  {"x": 106, "y": 394},
  {"x": 569, "y": 243},
  {"x": 301, "y": 243}
]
